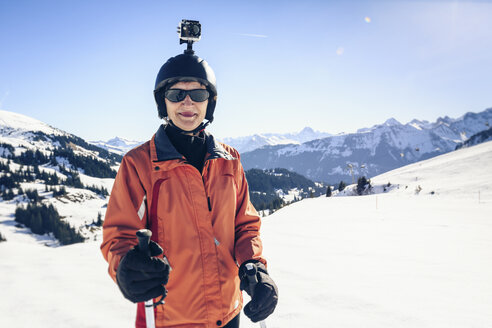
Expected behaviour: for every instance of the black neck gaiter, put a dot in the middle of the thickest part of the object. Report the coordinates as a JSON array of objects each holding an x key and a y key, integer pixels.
[{"x": 193, "y": 148}]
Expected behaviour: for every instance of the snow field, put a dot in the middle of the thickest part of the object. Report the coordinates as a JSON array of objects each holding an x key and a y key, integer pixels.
[
  {"x": 413, "y": 262},
  {"x": 59, "y": 287}
]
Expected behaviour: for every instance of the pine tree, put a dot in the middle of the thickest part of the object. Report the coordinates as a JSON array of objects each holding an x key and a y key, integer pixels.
[
  {"x": 341, "y": 186},
  {"x": 328, "y": 191},
  {"x": 362, "y": 185},
  {"x": 33, "y": 195},
  {"x": 99, "y": 221},
  {"x": 42, "y": 219},
  {"x": 37, "y": 224},
  {"x": 9, "y": 195}
]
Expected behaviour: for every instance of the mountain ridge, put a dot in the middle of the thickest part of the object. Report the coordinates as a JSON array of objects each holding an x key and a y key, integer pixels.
[
  {"x": 370, "y": 151},
  {"x": 117, "y": 145}
]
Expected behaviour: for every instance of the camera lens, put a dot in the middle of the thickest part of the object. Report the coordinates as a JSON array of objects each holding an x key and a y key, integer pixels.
[{"x": 196, "y": 30}]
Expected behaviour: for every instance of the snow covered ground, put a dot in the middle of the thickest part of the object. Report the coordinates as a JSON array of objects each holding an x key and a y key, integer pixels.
[
  {"x": 414, "y": 261},
  {"x": 396, "y": 259}
]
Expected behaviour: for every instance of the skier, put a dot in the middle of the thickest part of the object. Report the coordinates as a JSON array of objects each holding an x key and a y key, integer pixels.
[{"x": 191, "y": 192}]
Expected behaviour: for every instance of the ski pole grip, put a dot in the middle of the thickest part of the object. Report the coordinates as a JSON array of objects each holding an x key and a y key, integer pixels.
[
  {"x": 251, "y": 273},
  {"x": 143, "y": 236}
]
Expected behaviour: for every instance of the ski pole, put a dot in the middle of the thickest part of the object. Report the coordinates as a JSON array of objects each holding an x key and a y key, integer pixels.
[
  {"x": 251, "y": 273},
  {"x": 143, "y": 236}
]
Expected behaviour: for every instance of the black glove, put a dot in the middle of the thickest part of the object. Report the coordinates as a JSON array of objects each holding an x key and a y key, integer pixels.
[
  {"x": 265, "y": 295},
  {"x": 141, "y": 277}
]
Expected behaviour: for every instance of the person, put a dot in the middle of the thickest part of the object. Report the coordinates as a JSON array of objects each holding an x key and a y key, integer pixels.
[{"x": 191, "y": 191}]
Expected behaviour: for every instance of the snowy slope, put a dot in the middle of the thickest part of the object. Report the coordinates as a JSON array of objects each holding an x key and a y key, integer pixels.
[
  {"x": 80, "y": 206},
  {"x": 14, "y": 122},
  {"x": 20, "y": 131},
  {"x": 396, "y": 259},
  {"x": 464, "y": 172},
  {"x": 26, "y": 133}
]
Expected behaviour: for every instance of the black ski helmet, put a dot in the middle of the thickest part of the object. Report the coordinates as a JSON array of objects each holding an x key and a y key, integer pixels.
[{"x": 185, "y": 68}]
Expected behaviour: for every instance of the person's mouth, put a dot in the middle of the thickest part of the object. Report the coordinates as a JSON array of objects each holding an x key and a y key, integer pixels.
[{"x": 187, "y": 114}]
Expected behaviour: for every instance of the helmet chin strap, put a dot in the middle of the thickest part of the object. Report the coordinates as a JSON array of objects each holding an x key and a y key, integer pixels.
[{"x": 195, "y": 132}]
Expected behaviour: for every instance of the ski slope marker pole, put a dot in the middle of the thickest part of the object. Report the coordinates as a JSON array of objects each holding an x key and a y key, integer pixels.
[
  {"x": 143, "y": 236},
  {"x": 251, "y": 273}
]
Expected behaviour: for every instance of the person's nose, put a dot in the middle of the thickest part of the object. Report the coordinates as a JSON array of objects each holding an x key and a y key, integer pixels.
[{"x": 187, "y": 101}]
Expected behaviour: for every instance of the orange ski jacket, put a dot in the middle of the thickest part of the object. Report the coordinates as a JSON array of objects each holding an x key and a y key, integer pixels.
[{"x": 205, "y": 223}]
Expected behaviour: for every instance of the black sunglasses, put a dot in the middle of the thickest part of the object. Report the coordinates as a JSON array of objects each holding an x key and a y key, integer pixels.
[{"x": 177, "y": 95}]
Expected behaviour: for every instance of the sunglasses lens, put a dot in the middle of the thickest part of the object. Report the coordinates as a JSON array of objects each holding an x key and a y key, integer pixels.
[
  {"x": 177, "y": 95},
  {"x": 199, "y": 95}
]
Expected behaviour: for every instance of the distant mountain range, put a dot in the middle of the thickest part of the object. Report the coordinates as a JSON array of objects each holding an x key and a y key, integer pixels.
[
  {"x": 249, "y": 143},
  {"x": 242, "y": 144},
  {"x": 117, "y": 145},
  {"x": 370, "y": 151}
]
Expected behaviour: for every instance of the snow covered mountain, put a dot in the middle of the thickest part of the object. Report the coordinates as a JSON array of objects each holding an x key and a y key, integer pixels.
[
  {"x": 12, "y": 124},
  {"x": 394, "y": 259},
  {"x": 249, "y": 143},
  {"x": 370, "y": 151},
  {"x": 43, "y": 166},
  {"x": 117, "y": 145}
]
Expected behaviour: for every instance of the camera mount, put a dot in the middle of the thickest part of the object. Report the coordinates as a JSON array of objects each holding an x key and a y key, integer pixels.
[{"x": 189, "y": 31}]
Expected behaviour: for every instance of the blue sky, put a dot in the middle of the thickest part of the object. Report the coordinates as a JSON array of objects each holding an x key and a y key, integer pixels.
[{"x": 88, "y": 67}]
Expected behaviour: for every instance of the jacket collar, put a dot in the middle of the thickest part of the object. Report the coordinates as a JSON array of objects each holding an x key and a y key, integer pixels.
[{"x": 163, "y": 150}]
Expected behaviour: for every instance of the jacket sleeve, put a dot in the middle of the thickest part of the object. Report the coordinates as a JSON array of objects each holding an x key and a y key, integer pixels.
[
  {"x": 125, "y": 215},
  {"x": 248, "y": 244}
]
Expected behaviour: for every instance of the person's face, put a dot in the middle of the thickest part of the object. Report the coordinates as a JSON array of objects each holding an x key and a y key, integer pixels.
[{"x": 187, "y": 114}]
